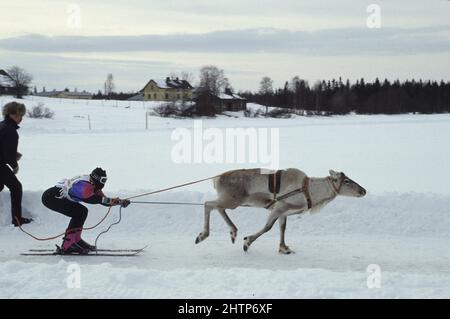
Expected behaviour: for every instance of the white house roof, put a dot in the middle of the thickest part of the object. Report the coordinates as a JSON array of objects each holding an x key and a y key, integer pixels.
[
  {"x": 5, "y": 81},
  {"x": 224, "y": 96},
  {"x": 227, "y": 95},
  {"x": 170, "y": 84},
  {"x": 161, "y": 83}
]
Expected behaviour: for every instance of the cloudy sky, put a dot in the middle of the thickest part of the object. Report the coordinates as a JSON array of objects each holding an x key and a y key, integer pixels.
[{"x": 76, "y": 43}]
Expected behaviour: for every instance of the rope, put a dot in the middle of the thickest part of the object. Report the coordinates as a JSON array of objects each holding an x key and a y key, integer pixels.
[
  {"x": 101, "y": 221},
  {"x": 136, "y": 202},
  {"x": 160, "y": 203},
  {"x": 109, "y": 209},
  {"x": 173, "y": 187},
  {"x": 169, "y": 203},
  {"x": 104, "y": 232},
  {"x": 62, "y": 234},
  {"x": 181, "y": 203},
  {"x": 34, "y": 237}
]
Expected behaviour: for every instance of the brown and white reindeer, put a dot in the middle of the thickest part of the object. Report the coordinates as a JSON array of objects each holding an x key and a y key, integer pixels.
[{"x": 283, "y": 193}]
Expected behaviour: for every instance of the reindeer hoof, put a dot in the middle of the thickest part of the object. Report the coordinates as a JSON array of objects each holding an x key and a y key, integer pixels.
[
  {"x": 233, "y": 235},
  {"x": 201, "y": 237},
  {"x": 247, "y": 243},
  {"x": 285, "y": 250}
]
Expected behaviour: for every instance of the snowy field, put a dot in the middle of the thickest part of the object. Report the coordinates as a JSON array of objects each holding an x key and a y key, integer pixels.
[{"x": 402, "y": 226}]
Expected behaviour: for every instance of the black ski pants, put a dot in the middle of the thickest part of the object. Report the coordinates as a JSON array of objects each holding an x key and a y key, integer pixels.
[{"x": 77, "y": 212}]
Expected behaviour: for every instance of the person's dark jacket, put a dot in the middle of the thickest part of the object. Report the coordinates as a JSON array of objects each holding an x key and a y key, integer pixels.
[{"x": 9, "y": 139}]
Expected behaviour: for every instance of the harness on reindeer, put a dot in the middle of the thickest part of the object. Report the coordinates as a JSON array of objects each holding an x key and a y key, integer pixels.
[{"x": 274, "y": 181}]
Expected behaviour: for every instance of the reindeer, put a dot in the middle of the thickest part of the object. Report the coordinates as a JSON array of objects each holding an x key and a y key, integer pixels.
[{"x": 297, "y": 194}]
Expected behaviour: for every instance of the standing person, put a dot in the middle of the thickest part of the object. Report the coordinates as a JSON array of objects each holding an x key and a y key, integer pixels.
[
  {"x": 13, "y": 113},
  {"x": 65, "y": 198}
]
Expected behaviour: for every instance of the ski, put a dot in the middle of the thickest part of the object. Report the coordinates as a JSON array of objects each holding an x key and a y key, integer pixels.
[
  {"x": 98, "y": 250},
  {"x": 85, "y": 255}
]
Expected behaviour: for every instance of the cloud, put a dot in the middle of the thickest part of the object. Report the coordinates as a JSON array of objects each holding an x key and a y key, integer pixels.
[{"x": 327, "y": 42}]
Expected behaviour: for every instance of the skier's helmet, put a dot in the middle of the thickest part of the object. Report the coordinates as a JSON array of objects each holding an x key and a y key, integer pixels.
[{"x": 98, "y": 177}]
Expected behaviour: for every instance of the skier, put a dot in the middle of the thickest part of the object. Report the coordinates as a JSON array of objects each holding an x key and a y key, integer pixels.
[
  {"x": 65, "y": 198},
  {"x": 13, "y": 113}
]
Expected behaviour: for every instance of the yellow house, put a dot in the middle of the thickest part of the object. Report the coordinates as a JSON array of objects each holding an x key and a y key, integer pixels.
[{"x": 167, "y": 90}]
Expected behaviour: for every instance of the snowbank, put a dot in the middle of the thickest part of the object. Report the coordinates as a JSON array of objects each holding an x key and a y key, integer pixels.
[{"x": 106, "y": 281}]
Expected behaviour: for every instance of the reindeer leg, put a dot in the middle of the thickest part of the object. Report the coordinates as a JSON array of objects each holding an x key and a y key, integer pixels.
[
  {"x": 209, "y": 206},
  {"x": 283, "y": 248},
  {"x": 233, "y": 228},
  {"x": 274, "y": 215}
]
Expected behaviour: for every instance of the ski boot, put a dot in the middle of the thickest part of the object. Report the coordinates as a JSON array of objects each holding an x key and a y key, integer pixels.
[
  {"x": 71, "y": 244},
  {"x": 86, "y": 245}
]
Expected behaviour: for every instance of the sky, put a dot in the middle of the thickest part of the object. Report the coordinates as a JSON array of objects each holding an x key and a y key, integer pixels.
[{"x": 75, "y": 44}]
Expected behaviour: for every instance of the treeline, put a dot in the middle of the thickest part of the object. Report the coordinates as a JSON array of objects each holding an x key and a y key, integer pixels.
[
  {"x": 337, "y": 97},
  {"x": 112, "y": 96}
]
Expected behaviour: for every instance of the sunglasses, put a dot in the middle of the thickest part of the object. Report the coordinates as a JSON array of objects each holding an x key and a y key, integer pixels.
[{"x": 101, "y": 179}]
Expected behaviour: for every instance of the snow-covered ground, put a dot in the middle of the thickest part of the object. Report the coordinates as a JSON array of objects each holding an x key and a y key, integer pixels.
[{"x": 402, "y": 226}]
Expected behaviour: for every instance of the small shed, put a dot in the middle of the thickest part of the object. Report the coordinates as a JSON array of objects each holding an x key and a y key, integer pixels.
[{"x": 218, "y": 103}]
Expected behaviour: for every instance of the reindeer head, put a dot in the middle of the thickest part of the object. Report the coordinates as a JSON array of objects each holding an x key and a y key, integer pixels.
[{"x": 344, "y": 186}]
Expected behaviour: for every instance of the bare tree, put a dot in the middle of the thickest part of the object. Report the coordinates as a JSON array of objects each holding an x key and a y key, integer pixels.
[
  {"x": 109, "y": 84},
  {"x": 213, "y": 78},
  {"x": 266, "y": 90},
  {"x": 21, "y": 80},
  {"x": 173, "y": 75},
  {"x": 187, "y": 76}
]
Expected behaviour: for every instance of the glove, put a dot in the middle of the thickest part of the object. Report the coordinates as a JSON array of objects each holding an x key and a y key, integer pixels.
[
  {"x": 124, "y": 203},
  {"x": 16, "y": 170},
  {"x": 114, "y": 201},
  {"x": 117, "y": 201}
]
